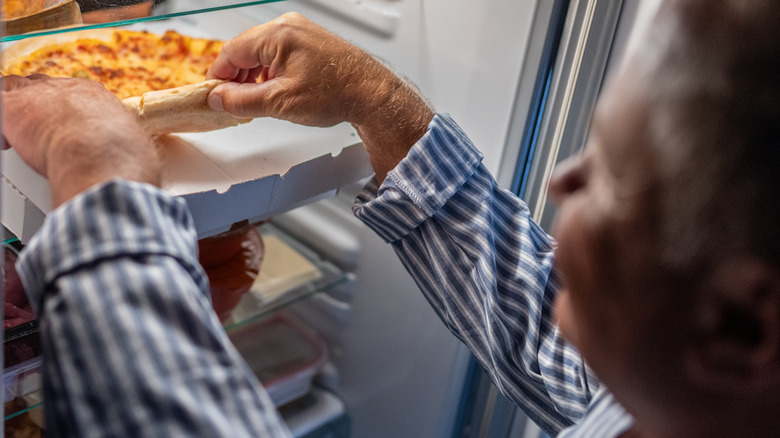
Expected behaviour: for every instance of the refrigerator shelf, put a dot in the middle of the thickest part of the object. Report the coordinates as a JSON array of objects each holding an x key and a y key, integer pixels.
[
  {"x": 298, "y": 273},
  {"x": 60, "y": 16},
  {"x": 24, "y": 417},
  {"x": 318, "y": 275},
  {"x": 22, "y": 388}
]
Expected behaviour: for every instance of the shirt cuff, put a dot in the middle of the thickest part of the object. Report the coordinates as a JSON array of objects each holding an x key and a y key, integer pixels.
[
  {"x": 433, "y": 171},
  {"x": 112, "y": 219}
]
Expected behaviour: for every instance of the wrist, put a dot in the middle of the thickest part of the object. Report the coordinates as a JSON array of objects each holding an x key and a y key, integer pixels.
[
  {"x": 76, "y": 163},
  {"x": 390, "y": 126}
]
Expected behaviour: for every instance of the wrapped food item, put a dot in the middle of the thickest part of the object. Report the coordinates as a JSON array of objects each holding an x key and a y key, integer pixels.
[
  {"x": 22, "y": 16},
  {"x": 21, "y": 8},
  {"x": 232, "y": 261}
]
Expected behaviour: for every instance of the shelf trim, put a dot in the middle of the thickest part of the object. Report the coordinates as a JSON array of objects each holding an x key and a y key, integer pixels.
[{"x": 8, "y": 38}]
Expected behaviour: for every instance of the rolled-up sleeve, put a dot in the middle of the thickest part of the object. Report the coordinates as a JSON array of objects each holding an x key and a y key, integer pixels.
[
  {"x": 485, "y": 267},
  {"x": 132, "y": 346}
]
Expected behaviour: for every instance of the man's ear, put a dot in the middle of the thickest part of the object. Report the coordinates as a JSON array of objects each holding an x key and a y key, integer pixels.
[{"x": 736, "y": 340}]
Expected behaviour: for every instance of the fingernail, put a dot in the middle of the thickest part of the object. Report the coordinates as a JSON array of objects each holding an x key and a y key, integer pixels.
[{"x": 215, "y": 102}]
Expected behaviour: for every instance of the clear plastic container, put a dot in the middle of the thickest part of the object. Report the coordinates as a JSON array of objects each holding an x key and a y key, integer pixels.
[
  {"x": 22, "y": 379},
  {"x": 283, "y": 354}
]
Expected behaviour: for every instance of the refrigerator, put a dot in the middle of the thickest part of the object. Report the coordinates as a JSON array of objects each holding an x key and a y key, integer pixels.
[{"x": 521, "y": 78}]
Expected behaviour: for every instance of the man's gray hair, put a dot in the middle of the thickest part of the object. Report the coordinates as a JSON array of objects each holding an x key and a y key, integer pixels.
[{"x": 711, "y": 72}]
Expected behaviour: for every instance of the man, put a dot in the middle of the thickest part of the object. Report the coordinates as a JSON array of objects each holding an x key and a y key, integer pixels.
[{"x": 668, "y": 256}]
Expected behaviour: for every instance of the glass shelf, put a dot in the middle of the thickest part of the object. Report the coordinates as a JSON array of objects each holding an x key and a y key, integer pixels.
[
  {"x": 25, "y": 421},
  {"x": 253, "y": 307},
  {"x": 70, "y": 15}
]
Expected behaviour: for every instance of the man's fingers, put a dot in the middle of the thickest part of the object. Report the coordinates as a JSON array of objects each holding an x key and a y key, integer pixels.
[
  {"x": 254, "y": 74},
  {"x": 252, "y": 49},
  {"x": 237, "y": 55},
  {"x": 13, "y": 82},
  {"x": 264, "y": 76},
  {"x": 242, "y": 100},
  {"x": 222, "y": 68}
]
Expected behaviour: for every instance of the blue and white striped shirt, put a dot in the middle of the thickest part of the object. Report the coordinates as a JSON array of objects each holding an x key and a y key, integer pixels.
[
  {"x": 132, "y": 347},
  {"x": 487, "y": 270}
]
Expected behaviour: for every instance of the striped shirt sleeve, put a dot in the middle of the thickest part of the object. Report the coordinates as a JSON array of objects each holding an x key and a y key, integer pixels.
[
  {"x": 485, "y": 267},
  {"x": 131, "y": 344}
]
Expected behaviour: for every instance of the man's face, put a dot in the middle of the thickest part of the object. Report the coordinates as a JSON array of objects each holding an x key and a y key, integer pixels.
[{"x": 612, "y": 303}]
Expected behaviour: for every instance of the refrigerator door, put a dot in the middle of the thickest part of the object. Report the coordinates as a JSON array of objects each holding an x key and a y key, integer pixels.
[{"x": 597, "y": 34}]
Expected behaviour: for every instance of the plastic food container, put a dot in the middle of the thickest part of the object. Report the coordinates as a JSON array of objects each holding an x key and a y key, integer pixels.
[
  {"x": 22, "y": 379},
  {"x": 283, "y": 354},
  {"x": 319, "y": 414}
]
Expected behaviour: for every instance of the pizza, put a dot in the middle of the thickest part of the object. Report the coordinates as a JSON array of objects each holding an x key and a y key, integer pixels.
[
  {"x": 128, "y": 63},
  {"x": 21, "y": 8},
  {"x": 170, "y": 69}
]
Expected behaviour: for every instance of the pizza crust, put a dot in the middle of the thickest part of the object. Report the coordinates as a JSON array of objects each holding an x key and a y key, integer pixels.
[{"x": 181, "y": 109}]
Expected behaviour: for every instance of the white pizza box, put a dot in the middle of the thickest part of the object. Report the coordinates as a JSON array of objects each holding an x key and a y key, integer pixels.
[
  {"x": 248, "y": 172},
  {"x": 252, "y": 171}
]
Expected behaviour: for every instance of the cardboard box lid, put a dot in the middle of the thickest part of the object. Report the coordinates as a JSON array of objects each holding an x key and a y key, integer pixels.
[{"x": 252, "y": 171}]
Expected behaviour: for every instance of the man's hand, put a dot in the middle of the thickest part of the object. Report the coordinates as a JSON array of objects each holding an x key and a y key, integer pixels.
[
  {"x": 74, "y": 132},
  {"x": 312, "y": 77}
]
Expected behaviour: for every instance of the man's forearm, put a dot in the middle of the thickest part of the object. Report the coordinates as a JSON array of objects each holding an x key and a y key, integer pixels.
[{"x": 391, "y": 117}]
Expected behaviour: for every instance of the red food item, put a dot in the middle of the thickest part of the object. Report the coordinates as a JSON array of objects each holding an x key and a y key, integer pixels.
[
  {"x": 18, "y": 346},
  {"x": 21, "y": 350},
  {"x": 232, "y": 261},
  {"x": 16, "y": 307},
  {"x": 14, "y": 292},
  {"x": 13, "y": 316}
]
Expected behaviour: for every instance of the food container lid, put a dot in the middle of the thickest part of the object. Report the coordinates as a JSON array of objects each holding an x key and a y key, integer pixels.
[{"x": 283, "y": 353}]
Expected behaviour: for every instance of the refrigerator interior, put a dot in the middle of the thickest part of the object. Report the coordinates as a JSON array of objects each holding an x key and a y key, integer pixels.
[
  {"x": 393, "y": 367},
  {"x": 397, "y": 369}
]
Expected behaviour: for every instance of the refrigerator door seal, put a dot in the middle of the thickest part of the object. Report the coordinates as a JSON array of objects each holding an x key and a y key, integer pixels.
[{"x": 571, "y": 49}]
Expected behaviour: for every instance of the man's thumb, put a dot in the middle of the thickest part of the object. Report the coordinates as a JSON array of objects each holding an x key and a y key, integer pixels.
[{"x": 241, "y": 100}]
